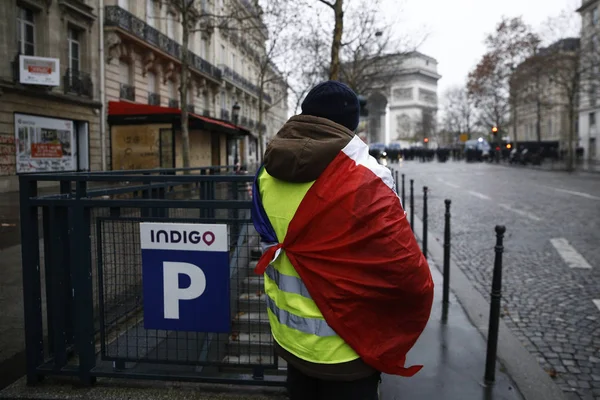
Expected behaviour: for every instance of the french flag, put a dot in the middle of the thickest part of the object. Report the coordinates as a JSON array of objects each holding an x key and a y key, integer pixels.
[{"x": 351, "y": 244}]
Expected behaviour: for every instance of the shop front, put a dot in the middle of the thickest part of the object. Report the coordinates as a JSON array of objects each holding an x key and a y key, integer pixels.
[{"x": 147, "y": 137}]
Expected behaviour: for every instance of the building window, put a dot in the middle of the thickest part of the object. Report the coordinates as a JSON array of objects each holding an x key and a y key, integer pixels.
[
  {"x": 233, "y": 61},
  {"x": 151, "y": 82},
  {"x": 592, "y": 118},
  {"x": 223, "y": 55},
  {"x": 595, "y": 16},
  {"x": 127, "y": 90},
  {"x": 203, "y": 48},
  {"x": 153, "y": 96},
  {"x": 25, "y": 31},
  {"x": 150, "y": 18},
  {"x": 124, "y": 4},
  {"x": 171, "y": 25},
  {"x": 172, "y": 89},
  {"x": 74, "y": 50}
]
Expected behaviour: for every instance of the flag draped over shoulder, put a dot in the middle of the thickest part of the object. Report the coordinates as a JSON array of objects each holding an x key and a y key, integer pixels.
[{"x": 353, "y": 248}]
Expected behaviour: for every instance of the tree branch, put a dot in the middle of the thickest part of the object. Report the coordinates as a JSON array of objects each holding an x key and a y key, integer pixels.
[{"x": 328, "y": 4}]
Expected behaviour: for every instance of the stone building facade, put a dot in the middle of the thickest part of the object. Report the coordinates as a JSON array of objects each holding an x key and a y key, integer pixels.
[
  {"x": 142, "y": 45},
  {"x": 589, "y": 108},
  {"x": 49, "y": 88},
  {"x": 541, "y": 85}
]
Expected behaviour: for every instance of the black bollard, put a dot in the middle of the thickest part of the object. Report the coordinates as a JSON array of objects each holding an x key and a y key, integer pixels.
[
  {"x": 446, "y": 292},
  {"x": 492, "y": 341},
  {"x": 425, "y": 221},
  {"x": 397, "y": 184},
  {"x": 403, "y": 198},
  {"x": 412, "y": 205}
]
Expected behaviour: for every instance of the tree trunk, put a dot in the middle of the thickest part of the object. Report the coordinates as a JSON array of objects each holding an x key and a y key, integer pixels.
[
  {"x": 338, "y": 30},
  {"x": 261, "y": 146},
  {"x": 571, "y": 136},
  {"x": 538, "y": 123},
  {"x": 515, "y": 123},
  {"x": 183, "y": 93}
]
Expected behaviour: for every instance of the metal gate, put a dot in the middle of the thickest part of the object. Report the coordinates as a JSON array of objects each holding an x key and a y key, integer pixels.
[{"x": 87, "y": 259}]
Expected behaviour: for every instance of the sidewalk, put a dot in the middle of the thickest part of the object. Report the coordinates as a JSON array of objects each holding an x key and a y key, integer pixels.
[
  {"x": 459, "y": 348},
  {"x": 453, "y": 357},
  {"x": 452, "y": 352}
]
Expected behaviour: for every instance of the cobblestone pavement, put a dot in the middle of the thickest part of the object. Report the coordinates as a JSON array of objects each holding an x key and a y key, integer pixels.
[{"x": 548, "y": 302}]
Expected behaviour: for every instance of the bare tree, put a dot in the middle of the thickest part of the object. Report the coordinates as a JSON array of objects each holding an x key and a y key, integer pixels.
[
  {"x": 369, "y": 55},
  {"x": 573, "y": 67},
  {"x": 489, "y": 83},
  {"x": 195, "y": 16},
  {"x": 460, "y": 116},
  {"x": 337, "y": 6}
]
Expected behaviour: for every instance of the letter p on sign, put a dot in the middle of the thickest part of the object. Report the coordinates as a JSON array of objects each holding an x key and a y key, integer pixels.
[
  {"x": 173, "y": 293},
  {"x": 186, "y": 285}
]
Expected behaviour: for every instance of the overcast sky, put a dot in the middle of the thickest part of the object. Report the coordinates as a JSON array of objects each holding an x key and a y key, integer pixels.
[{"x": 456, "y": 29}]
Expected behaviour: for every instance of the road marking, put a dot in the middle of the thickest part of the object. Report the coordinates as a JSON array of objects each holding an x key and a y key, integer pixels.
[
  {"x": 520, "y": 212},
  {"x": 452, "y": 185},
  {"x": 569, "y": 254},
  {"x": 581, "y": 194},
  {"x": 597, "y": 303},
  {"x": 480, "y": 195}
]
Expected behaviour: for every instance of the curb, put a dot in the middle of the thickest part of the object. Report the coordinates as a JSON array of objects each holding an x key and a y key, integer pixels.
[{"x": 531, "y": 380}]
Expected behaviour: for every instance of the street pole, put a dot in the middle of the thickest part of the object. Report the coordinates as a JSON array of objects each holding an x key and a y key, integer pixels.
[
  {"x": 412, "y": 205},
  {"x": 446, "y": 291},
  {"x": 494, "y": 323}
]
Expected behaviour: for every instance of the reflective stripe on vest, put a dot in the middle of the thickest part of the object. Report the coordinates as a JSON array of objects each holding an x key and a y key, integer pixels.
[
  {"x": 290, "y": 284},
  {"x": 313, "y": 326}
]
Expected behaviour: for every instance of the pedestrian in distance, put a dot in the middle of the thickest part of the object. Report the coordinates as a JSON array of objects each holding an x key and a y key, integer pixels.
[{"x": 348, "y": 289}]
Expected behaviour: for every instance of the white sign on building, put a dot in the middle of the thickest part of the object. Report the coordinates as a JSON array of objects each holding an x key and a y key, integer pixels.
[{"x": 39, "y": 71}]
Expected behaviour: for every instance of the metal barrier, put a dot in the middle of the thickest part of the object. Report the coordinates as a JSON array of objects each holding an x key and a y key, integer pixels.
[{"x": 88, "y": 258}]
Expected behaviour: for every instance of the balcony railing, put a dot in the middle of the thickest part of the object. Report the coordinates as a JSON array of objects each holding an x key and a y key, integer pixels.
[
  {"x": 225, "y": 114},
  {"x": 206, "y": 112},
  {"x": 154, "y": 99},
  {"x": 173, "y": 103},
  {"x": 79, "y": 83},
  {"x": 251, "y": 124},
  {"x": 244, "y": 121},
  {"x": 191, "y": 108},
  {"x": 242, "y": 82},
  {"x": 127, "y": 92},
  {"x": 116, "y": 16}
]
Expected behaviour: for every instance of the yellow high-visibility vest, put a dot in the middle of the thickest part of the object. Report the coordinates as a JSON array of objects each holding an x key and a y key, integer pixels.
[{"x": 296, "y": 322}]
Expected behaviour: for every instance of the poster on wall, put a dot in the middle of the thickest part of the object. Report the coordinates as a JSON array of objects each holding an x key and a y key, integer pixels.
[{"x": 45, "y": 144}]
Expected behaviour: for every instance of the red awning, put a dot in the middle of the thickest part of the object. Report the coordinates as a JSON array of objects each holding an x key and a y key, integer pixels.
[{"x": 121, "y": 108}]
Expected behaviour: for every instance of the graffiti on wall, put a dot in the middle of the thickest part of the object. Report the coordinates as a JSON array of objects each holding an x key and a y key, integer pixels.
[{"x": 135, "y": 147}]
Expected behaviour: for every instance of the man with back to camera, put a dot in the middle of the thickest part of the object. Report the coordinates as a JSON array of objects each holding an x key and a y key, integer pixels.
[{"x": 348, "y": 289}]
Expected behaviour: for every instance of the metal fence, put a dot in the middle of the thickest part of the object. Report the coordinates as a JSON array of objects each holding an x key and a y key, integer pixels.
[{"x": 85, "y": 266}]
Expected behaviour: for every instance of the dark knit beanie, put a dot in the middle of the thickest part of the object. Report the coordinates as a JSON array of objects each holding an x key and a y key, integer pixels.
[{"x": 335, "y": 101}]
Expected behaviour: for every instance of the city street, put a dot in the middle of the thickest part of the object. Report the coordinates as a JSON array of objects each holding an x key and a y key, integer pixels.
[{"x": 551, "y": 276}]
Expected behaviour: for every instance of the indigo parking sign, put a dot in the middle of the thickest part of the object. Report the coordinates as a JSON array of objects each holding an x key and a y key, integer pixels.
[{"x": 185, "y": 271}]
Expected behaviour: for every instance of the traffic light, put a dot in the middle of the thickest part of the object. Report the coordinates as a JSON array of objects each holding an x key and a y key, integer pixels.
[
  {"x": 494, "y": 130},
  {"x": 426, "y": 140}
]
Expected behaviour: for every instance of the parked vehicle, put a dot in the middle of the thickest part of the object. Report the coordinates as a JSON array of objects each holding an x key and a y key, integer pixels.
[{"x": 477, "y": 150}]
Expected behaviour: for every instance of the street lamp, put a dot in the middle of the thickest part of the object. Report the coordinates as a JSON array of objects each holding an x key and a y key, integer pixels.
[
  {"x": 235, "y": 113},
  {"x": 235, "y": 116}
]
